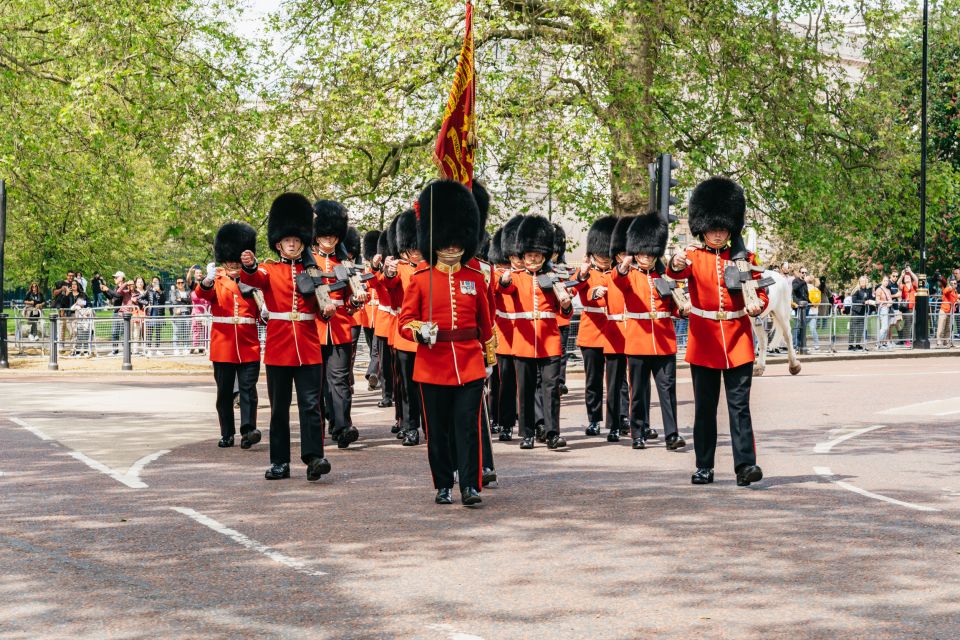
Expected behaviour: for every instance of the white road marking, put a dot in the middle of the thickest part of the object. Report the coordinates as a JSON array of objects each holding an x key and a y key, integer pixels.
[
  {"x": 132, "y": 482},
  {"x": 32, "y": 429},
  {"x": 135, "y": 469},
  {"x": 947, "y": 413},
  {"x": 824, "y": 447},
  {"x": 295, "y": 564},
  {"x": 825, "y": 471},
  {"x": 943, "y": 406},
  {"x": 454, "y": 635}
]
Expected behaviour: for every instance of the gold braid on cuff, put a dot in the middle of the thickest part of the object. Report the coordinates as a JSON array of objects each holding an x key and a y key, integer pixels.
[{"x": 490, "y": 351}]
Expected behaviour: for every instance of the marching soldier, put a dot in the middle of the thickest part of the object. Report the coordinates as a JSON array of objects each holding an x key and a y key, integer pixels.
[
  {"x": 559, "y": 260},
  {"x": 369, "y": 314},
  {"x": 593, "y": 318},
  {"x": 445, "y": 311},
  {"x": 651, "y": 344},
  {"x": 335, "y": 331},
  {"x": 720, "y": 336},
  {"x": 383, "y": 325},
  {"x": 397, "y": 273},
  {"x": 506, "y": 307},
  {"x": 536, "y": 340},
  {"x": 292, "y": 351},
  {"x": 234, "y": 342}
]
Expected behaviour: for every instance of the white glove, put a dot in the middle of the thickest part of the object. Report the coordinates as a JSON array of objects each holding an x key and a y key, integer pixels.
[
  {"x": 211, "y": 271},
  {"x": 489, "y": 370}
]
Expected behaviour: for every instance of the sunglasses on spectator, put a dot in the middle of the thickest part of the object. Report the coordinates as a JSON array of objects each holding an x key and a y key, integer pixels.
[{"x": 179, "y": 281}]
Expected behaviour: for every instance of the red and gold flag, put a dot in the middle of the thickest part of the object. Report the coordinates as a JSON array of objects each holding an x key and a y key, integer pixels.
[{"x": 454, "y": 153}]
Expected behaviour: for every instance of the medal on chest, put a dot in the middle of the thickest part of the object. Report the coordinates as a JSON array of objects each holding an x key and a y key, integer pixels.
[{"x": 468, "y": 287}]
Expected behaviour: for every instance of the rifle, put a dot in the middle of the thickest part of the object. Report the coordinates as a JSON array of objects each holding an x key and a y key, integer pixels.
[
  {"x": 553, "y": 281},
  {"x": 739, "y": 276},
  {"x": 252, "y": 292},
  {"x": 667, "y": 286},
  {"x": 311, "y": 281}
]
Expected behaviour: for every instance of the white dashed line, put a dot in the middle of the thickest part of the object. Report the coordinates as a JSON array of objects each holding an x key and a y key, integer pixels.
[
  {"x": 134, "y": 471},
  {"x": 253, "y": 545},
  {"x": 32, "y": 429},
  {"x": 824, "y": 447},
  {"x": 454, "y": 635},
  {"x": 132, "y": 482},
  {"x": 825, "y": 471}
]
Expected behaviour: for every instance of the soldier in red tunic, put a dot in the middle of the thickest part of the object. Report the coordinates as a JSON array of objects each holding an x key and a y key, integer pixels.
[
  {"x": 536, "y": 338},
  {"x": 383, "y": 325},
  {"x": 720, "y": 336},
  {"x": 234, "y": 343},
  {"x": 368, "y": 315},
  {"x": 593, "y": 318},
  {"x": 293, "y": 346},
  {"x": 651, "y": 344},
  {"x": 446, "y": 312},
  {"x": 336, "y": 332},
  {"x": 398, "y": 272},
  {"x": 506, "y": 308}
]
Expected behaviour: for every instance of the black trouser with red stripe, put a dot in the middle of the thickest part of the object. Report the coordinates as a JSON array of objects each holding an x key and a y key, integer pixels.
[
  {"x": 538, "y": 375},
  {"x": 593, "y": 386},
  {"x": 245, "y": 375},
  {"x": 337, "y": 395},
  {"x": 664, "y": 371},
  {"x": 410, "y": 419},
  {"x": 616, "y": 373},
  {"x": 706, "y": 397},
  {"x": 309, "y": 381},
  {"x": 506, "y": 397},
  {"x": 386, "y": 373},
  {"x": 373, "y": 348},
  {"x": 452, "y": 419},
  {"x": 493, "y": 398}
]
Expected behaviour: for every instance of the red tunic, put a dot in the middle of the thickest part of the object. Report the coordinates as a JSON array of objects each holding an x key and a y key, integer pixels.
[
  {"x": 385, "y": 314},
  {"x": 649, "y": 318},
  {"x": 336, "y": 330},
  {"x": 398, "y": 286},
  {"x": 293, "y": 341},
  {"x": 233, "y": 331},
  {"x": 460, "y": 301},
  {"x": 593, "y": 315},
  {"x": 536, "y": 333},
  {"x": 505, "y": 304},
  {"x": 615, "y": 329},
  {"x": 718, "y": 344}
]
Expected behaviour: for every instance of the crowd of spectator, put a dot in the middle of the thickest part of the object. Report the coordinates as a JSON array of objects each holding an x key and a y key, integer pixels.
[{"x": 154, "y": 310}]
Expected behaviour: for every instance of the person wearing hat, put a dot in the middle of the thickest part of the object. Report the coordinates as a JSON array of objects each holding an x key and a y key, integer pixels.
[
  {"x": 720, "y": 344},
  {"x": 614, "y": 338},
  {"x": 593, "y": 318},
  {"x": 505, "y": 308},
  {"x": 446, "y": 314},
  {"x": 234, "y": 341},
  {"x": 536, "y": 339},
  {"x": 292, "y": 351},
  {"x": 368, "y": 315},
  {"x": 559, "y": 260},
  {"x": 116, "y": 298},
  {"x": 651, "y": 344},
  {"x": 336, "y": 331},
  {"x": 385, "y": 317},
  {"x": 397, "y": 273}
]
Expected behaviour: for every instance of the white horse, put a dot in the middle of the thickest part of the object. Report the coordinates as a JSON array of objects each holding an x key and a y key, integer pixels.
[{"x": 779, "y": 311}]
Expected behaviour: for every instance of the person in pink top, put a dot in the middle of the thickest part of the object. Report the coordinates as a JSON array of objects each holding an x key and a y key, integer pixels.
[{"x": 201, "y": 310}]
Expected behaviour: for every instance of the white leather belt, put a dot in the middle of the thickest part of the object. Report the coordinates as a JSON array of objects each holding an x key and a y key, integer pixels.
[
  {"x": 526, "y": 315},
  {"x": 232, "y": 320},
  {"x": 658, "y": 315},
  {"x": 616, "y": 317},
  {"x": 599, "y": 310},
  {"x": 718, "y": 315},
  {"x": 390, "y": 310},
  {"x": 292, "y": 316}
]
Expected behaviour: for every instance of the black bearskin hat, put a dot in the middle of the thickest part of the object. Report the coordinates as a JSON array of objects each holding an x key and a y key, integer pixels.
[
  {"x": 483, "y": 251},
  {"x": 510, "y": 241},
  {"x": 290, "y": 215},
  {"x": 495, "y": 254},
  {"x": 716, "y": 203},
  {"x": 482, "y": 196},
  {"x": 232, "y": 239},
  {"x": 331, "y": 219},
  {"x": 618, "y": 238},
  {"x": 560, "y": 243},
  {"x": 389, "y": 238},
  {"x": 371, "y": 244},
  {"x": 456, "y": 220},
  {"x": 405, "y": 234},
  {"x": 536, "y": 234},
  {"x": 647, "y": 234},
  {"x": 351, "y": 242},
  {"x": 598, "y": 238}
]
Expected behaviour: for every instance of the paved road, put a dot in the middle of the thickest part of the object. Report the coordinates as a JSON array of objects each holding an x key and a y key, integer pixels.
[{"x": 853, "y": 534}]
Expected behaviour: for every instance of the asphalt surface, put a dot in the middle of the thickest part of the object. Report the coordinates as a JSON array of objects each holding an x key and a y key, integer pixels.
[{"x": 120, "y": 518}]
